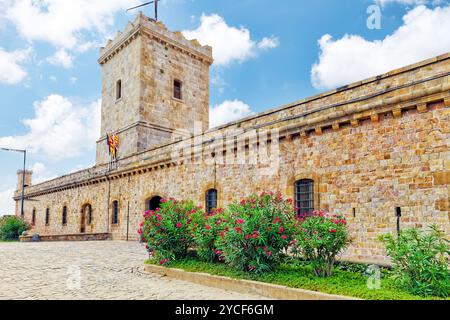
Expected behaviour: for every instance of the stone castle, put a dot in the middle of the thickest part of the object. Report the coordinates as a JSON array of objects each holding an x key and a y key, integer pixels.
[{"x": 377, "y": 151}]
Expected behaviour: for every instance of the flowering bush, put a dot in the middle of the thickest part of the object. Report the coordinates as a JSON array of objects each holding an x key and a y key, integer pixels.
[
  {"x": 320, "y": 238},
  {"x": 256, "y": 232},
  {"x": 12, "y": 227},
  {"x": 420, "y": 261},
  {"x": 206, "y": 229},
  {"x": 167, "y": 230}
]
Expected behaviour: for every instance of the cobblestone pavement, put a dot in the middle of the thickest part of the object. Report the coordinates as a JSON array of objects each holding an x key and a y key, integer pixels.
[{"x": 91, "y": 270}]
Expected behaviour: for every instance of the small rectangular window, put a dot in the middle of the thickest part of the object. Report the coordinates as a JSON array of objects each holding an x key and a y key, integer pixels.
[
  {"x": 115, "y": 216},
  {"x": 64, "y": 216},
  {"x": 119, "y": 89},
  {"x": 47, "y": 217},
  {"x": 177, "y": 89}
]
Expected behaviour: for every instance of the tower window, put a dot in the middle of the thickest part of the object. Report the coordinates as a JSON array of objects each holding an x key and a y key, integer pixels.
[
  {"x": 118, "y": 89},
  {"x": 304, "y": 196},
  {"x": 211, "y": 200},
  {"x": 177, "y": 89},
  {"x": 115, "y": 212},
  {"x": 47, "y": 217},
  {"x": 64, "y": 216}
]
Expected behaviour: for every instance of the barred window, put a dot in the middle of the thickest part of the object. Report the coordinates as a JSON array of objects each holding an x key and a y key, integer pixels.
[
  {"x": 89, "y": 214},
  {"x": 115, "y": 215},
  {"x": 64, "y": 216},
  {"x": 304, "y": 196},
  {"x": 47, "y": 217},
  {"x": 33, "y": 217},
  {"x": 211, "y": 200}
]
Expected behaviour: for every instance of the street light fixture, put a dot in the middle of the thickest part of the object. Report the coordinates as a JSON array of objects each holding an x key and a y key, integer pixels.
[{"x": 22, "y": 198}]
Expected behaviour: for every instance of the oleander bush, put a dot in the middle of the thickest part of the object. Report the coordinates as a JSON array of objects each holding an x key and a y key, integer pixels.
[
  {"x": 257, "y": 232},
  {"x": 420, "y": 261},
  {"x": 12, "y": 227},
  {"x": 206, "y": 229},
  {"x": 320, "y": 238},
  {"x": 167, "y": 230}
]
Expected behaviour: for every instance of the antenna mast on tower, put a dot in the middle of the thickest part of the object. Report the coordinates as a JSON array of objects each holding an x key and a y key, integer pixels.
[{"x": 146, "y": 4}]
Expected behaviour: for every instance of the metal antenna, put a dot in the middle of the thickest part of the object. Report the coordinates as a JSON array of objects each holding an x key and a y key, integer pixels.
[{"x": 146, "y": 4}]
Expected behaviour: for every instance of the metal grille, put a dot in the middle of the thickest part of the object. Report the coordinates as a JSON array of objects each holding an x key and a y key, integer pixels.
[
  {"x": 64, "y": 216},
  {"x": 211, "y": 200},
  {"x": 47, "y": 217},
  {"x": 115, "y": 212},
  {"x": 89, "y": 214},
  {"x": 304, "y": 196}
]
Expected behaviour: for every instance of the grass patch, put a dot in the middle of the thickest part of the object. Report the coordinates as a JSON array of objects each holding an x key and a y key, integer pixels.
[{"x": 343, "y": 282}]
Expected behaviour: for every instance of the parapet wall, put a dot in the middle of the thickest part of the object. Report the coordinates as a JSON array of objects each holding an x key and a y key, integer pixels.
[{"x": 412, "y": 87}]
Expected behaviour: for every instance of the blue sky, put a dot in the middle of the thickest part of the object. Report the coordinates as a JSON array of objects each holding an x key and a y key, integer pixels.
[{"x": 268, "y": 53}]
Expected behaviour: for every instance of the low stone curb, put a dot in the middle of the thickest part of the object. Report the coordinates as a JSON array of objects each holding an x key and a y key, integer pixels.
[{"x": 269, "y": 290}]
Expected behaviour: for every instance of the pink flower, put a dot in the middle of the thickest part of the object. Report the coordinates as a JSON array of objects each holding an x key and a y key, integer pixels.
[
  {"x": 269, "y": 253},
  {"x": 218, "y": 252},
  {"x": 163, "y": 261},
  {"x": 333, "y": 230},
  {"x": 283, "y": 237},
  {"x": 158, "y": 217},
  {"x": 208, "y": 227},
  {"x": 240, "y": 221},
  {"x": 265, "y": 248},
  {"x": 281, "y": 230},
  {"x": 255, "y": 236},
  {"x": 179, "y": 225},
  {"x": 248, "y": 236}
]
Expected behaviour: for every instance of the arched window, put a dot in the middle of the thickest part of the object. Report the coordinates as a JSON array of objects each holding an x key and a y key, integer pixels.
[
  {"x": 115, "y": 212},
  {"x": 47, "y": 217},
  {"x": 211, "y": 200},
  {"x": 153, "y": 203},
  {"x": 64, "y": 216},
  {"x": 33, "y": 217},
  {"x": 304, "y": 196}
]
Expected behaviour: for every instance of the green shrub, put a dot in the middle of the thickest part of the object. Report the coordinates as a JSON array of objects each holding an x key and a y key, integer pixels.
[
  {"x": 167, "y": 230},
  {"x": 207, "y": 229},
  {"x": 11, "y": 228},
  {"x": 420, "y": 261},
  {"x": 320, "y": 238},
  {"x": 256, "y": 232}
]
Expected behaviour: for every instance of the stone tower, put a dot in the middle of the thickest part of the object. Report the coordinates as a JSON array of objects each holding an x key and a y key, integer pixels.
[{"x": 155, "y": 87}]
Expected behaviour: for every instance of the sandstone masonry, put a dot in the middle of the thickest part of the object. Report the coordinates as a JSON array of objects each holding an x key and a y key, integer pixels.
[{"x": 369, "y": 148}]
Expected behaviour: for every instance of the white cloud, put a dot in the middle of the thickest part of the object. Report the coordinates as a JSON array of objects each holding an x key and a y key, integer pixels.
[
  {"x": 228, "y": 111},
  {"x": 11, "y": 72},
  {"x": 229, "y": 43},
  {"x": 269, "y": 43},
  {"x": 73, "y": 80},
  {"x": 60, "y": 129},
  {"x": 424, "y": 34},
  {"x": 409, "y": 2},
  {"x": 61, "y": 58},
  {"x": 7, "y": 205},
  {"x": 61, "y": 22}
]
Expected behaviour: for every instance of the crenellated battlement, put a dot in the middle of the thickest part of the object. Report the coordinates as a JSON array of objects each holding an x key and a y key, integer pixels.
[{"x": 159, "y": 32}]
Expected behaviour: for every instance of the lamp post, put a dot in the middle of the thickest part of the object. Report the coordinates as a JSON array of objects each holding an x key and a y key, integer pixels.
[{"x": 22, "y": 198}]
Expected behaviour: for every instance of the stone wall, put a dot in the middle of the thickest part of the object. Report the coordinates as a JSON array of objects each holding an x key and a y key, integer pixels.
[{"x": 370, "y": 147}]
